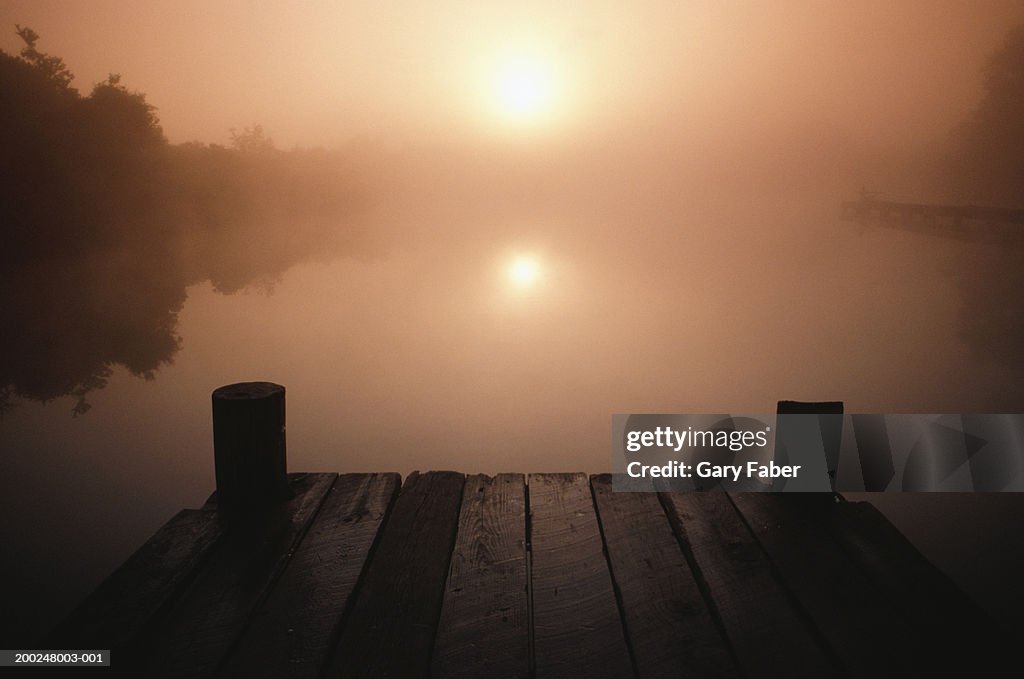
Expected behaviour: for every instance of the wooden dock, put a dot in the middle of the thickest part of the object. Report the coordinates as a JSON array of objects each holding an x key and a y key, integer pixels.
[
  {"x": 540, "y": 575},
  {"x": 518, "y": 575}
]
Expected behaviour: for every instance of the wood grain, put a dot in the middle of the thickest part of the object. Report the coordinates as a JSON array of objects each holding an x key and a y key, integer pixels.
[
  {"x": 390, "y": 632},
  {"x": 489, "y": 577},
  {"x": 211, "y": 615},
  {"x": 667, "y": 621},
  {"x": 766, "y": 630},
  {"x": 292, "y": 631},
  {"x": 122, "y": 610},
  {"x": 576, "y": 621},
  {"x": 484, "y": 628}
]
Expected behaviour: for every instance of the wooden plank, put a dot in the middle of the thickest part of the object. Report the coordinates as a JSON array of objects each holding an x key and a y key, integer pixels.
[
  {"x": 484, "y": 628},
  {"x": 122, "y": 609},
  {"x": 966, "y": 639},
  {"x": 576, "y": 623},
  {"x": 864, "y": 630},
  {"x": 667, "y": 621},
  {"x": 211, "y": 615},
  {"x": 767, "y": 632},
  {"x": 292, "y": 631},
  {"x": 390, "y": 632}
]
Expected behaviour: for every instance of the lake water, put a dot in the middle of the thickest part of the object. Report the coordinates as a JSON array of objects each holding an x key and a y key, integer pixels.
[{"x": 427, "y": 357}]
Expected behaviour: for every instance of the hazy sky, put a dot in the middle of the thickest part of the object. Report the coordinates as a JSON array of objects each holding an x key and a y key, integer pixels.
[
  {"x": 319, "y": 73},
  {"x": 672, "y": 169}
]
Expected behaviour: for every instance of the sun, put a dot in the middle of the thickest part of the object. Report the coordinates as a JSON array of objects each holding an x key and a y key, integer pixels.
[
  {"x": 524, "y": 271},
  {"x": 523, "y": 88}
]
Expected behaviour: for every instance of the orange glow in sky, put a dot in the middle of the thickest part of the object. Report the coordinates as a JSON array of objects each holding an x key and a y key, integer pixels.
[
  {"x": 524, "y": 89},
  {"x": 424, "y": 72},
  {"x": 524, "y": 271}
]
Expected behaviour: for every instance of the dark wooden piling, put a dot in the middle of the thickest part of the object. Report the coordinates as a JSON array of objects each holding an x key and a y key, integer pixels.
[
  {"x": 829, "y": 424},
  {"x": 249, "y": 447}
]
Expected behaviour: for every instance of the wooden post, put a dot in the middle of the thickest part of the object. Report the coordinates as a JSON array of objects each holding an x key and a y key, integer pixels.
[
  {"x": 249, "y": 446},
  {"x": 830, "y": 424}
]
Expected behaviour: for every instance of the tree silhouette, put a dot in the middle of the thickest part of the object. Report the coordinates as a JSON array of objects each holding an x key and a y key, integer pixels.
[
  {"x": 252, "y": 140},
  {"x": 105, "y": 225},
  {"x": 988, "y": 158},
  {"x": 52, "y": 67},
  {"x": 987, "y": 167}
]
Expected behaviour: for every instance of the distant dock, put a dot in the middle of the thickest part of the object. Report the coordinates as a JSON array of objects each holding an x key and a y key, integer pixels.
[{"x": 1000, "y": 226}]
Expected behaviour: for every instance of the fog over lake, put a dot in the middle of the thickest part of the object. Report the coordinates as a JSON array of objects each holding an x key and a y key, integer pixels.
[{"x": 649, "y": 222}]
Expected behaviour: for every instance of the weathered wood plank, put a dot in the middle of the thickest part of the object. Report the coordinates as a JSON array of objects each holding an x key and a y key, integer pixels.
[
  {"x": 866, "y": 633},
  {"x": 121, "y": 610},
  {"x": 667, "y": 621},
  {"x": 768, "y": 633},
  {"x": 798, "y": 584},
  {"x": 390, "y": 632},
  {"x": 484, "y": 629},
  {"x": 292, "y": 631},
  {"x": 576, "y": 621},
  {"x": 211, "y": 615},
  {"x": 957, "y": 631}
]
